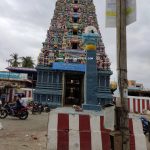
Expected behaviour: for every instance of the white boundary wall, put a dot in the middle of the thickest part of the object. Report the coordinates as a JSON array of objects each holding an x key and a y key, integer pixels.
[{"x": 138, "y": 104}]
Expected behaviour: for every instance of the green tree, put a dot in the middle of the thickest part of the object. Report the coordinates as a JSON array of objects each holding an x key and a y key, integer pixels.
[
  {"x": 14, "y": 61},
  {"x": 27, "y": 62}
]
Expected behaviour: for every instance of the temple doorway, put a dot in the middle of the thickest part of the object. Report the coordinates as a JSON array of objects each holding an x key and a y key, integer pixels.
[{"x": 73, "y": 89}]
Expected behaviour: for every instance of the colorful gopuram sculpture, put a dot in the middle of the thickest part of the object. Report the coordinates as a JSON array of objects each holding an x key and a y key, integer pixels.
[{"x": 61, "y": 63}]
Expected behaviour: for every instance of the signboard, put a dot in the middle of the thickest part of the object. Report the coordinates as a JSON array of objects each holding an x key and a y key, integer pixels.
[
  {"x": 130, "y": 11},
  {"x": 68, "y": 66},
  {"x": 15, "y": 76},
  {"x": 111, "y": 12}
]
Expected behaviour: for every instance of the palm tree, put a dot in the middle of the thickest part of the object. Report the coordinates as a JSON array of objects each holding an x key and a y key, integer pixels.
[
  {"x": 14, "y": 60},
  {"x": 27, "y": 62}
]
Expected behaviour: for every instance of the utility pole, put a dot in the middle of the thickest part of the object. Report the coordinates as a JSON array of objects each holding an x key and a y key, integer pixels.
[{"x": 122, "y": 73}]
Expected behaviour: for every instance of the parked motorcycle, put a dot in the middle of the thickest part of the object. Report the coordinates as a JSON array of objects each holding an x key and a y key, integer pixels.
[
  {"x": 8, "y": 110},
  {"x": 146, "y": 125},
  {"x": 37, "y": 108},
  {"x": 46, "y": 108}
]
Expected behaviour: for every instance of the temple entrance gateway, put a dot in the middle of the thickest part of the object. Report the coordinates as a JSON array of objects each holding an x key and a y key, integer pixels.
[
  {"x": 73, "y": 91},
  {"x": 62, "y": 60}
]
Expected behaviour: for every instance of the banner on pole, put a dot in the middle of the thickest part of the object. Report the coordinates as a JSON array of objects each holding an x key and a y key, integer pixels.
[
  {"x": 130, "y": 11},
  {"x": 111, "y": 12}
]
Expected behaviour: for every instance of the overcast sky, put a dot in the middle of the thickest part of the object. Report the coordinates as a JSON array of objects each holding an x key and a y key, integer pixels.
[{"x": 24, "y": 23}]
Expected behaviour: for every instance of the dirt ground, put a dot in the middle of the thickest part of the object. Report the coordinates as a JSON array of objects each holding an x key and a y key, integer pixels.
[
  {"x": 30, "y": 134},
  {"x": 27, "y": 134}
]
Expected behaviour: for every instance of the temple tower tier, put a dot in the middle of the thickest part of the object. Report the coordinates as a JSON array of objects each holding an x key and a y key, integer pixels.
[{"x": 62, "y": 63}]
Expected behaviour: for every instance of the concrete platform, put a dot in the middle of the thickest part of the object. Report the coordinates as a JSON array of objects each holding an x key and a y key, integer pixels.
[{"x": 71, "y": 130}]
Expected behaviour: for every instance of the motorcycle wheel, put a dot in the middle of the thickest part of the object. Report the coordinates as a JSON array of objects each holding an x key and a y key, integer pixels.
[
  {"x": 23, "y": 115},
  {"x": 3, "y": 114}
]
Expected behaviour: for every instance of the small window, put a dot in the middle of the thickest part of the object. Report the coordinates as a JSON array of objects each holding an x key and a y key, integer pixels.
[
  {"x": 76, "y": 1},
  {"x": 75, "y": 9},
  {"x": 74, "y": 45},
  {"x": 75, "y": 32},
  {"x": 92, "y": 31},
  {"x": 75, "y": 19}
]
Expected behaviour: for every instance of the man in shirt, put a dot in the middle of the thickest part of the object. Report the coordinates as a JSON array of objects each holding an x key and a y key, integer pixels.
[{"x": 23, "y": 101}]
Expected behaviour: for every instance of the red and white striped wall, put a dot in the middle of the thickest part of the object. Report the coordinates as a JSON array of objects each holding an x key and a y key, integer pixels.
[
  {"x": 138, "y": 104},
  {"x": 68, "y": 131},
  {"x": 28, "y": 92},
  {"x": 137, "y": 138},
  {"x": 11, "y": 95}
]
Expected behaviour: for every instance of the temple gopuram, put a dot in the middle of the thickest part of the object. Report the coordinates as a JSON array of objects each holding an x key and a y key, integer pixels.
[{"x": 62, "y": 61}]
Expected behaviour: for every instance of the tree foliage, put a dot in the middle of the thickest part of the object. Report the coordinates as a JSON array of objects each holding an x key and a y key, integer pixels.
[
  {"x": 27, "y": 62},
  {"x": 14, "y": 60}
]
